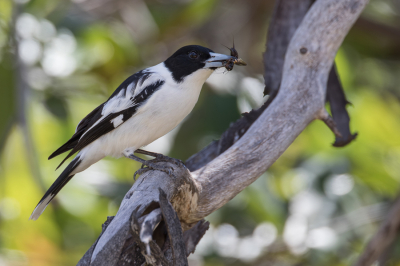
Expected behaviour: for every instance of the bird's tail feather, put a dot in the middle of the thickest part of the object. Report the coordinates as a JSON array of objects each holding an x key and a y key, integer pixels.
[{"x": 61, "y": 181}]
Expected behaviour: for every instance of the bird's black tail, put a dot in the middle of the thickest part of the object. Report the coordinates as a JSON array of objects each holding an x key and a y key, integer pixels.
[{"x": 61, "y": 181}]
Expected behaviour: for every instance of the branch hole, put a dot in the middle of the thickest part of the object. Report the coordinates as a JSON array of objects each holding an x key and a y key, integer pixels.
[{"x": 151, "y": 207}]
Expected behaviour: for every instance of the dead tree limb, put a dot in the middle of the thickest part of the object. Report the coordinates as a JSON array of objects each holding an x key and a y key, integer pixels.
[
  {"x": 384, "y": 237},
  {"x": 337, "y": 100},
  {"x": 301, "y": 99},
  {"x": 174, "y": 231},
  {"x": 286, "y": 17}
]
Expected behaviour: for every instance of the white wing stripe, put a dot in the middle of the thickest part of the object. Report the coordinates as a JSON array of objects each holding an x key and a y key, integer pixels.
[
  {"x": 118, "y": 120},
  {"x": 123, "y": 100}
]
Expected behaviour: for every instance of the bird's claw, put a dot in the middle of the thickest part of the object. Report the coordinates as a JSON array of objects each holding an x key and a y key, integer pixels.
[
  {"x": 163, "y": 158},
  {"x": 139, "y": 172},
  {"x": 151, "y": 166}
]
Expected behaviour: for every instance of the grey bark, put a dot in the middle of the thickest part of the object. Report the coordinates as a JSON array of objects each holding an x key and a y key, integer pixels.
[
  {"x": 287, "y": 15},
  {"x": 301, "y": 99},
  {"x": 174, "y": 231},
  {"x": 384, "y": 237}
]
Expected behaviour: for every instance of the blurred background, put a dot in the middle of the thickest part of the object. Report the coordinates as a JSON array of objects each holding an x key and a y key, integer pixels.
[{"x": 317, "y": 205}]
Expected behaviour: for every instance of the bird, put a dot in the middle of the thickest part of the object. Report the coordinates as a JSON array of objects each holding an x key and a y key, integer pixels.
[{"x": 146, "y": 106}]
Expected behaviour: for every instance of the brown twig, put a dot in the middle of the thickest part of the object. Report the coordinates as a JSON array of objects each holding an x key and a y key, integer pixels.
[
  {"x": 328, "y": 120},
  {"x": 337, "y": 100}
]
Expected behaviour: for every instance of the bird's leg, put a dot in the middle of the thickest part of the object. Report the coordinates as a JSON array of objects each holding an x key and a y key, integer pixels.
[
  {"x": 161, "y": 158},
  {"x": 151, "y": 165}
]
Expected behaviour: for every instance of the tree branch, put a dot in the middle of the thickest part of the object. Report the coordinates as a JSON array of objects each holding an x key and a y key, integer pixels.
[
  {"x": 335, "y": 96},
  {"x": 287, "y": 16},
  {"x": 383, "y": 238},
  {"x": 301, "y": 98},
  {"x": 174, "y": 231}
]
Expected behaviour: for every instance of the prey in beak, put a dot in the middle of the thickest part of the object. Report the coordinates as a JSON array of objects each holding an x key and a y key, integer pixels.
[
  {"x": 236, "y": 61},
  {"x": 218, "y": 60},
  {"x": 227, "y": 61}
]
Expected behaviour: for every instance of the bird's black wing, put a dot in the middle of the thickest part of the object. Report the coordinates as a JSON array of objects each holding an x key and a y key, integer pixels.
[
  {"x": 81, "y": 128},
  {"x": 96, "y": 114},
  {"x": 121, "y": 106}
]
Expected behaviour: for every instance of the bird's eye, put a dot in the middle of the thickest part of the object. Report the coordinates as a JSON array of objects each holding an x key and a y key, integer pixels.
[{"x": 193, "y": 55}]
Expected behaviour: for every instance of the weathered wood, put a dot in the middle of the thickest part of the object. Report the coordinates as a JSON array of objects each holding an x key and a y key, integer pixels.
[
  {"x": 85, "y": 260},
  {"x": 151, "y": 251},
  {"x": 286, "y": 17},
  {"x": 193, "y": 236},
  {"x": 384, "y": 237},
  {"x": 301, "y": 98},
  {"x": 148, "y": 226},
  {"x": 142, "y": 198},
  {"x": 203, "y": 157},
  {"x": 174, "y": 231}
]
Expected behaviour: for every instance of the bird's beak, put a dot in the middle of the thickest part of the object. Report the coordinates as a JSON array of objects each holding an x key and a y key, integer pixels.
[{"x": 217, "y": 60}]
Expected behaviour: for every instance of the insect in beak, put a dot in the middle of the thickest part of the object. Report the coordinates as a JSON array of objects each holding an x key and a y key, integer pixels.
[{"x": 234, "y": 61}]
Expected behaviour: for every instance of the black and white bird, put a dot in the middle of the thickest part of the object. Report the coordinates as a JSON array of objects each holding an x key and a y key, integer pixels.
[{"x": 146, "y": 106}]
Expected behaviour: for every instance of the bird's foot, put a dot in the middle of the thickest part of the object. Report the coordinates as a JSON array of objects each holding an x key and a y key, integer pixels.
[
  {"x": 152, "y": 165},
  {"x": 161, "y": 158}
]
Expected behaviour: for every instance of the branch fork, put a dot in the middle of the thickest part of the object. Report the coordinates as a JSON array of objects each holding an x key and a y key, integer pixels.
[
  {"x": 220, "y": 172},
  {"x": 328, "y": 120}
]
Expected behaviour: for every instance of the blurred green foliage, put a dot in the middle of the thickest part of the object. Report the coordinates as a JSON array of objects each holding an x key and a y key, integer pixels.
[{"x": 317, "y": 205}]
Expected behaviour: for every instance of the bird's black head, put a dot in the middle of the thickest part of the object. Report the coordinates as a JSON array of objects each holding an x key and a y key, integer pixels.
[{"x": 192, "y": 58}]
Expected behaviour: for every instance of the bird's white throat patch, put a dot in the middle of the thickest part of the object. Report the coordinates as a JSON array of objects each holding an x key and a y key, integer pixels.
[{"x": 197, "y": 78}]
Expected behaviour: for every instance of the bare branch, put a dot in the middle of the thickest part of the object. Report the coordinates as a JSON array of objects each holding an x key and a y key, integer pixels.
[
  {"x": 174, "y": 231},
  {"x": 85, "y": 260},
  {"x": 301, "y": 96},
  {"x": 328, "y": 120},
  {"x": 148, "y": 225},
  {"x": 150, "y": 250},
  {"x": 383, "y": 238},
  {"x": 142, "y": 199},
  {"x": 287, "y": 16},
  {"x": 193, "y": 236},
  {"x": 337, "y": 100}
]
